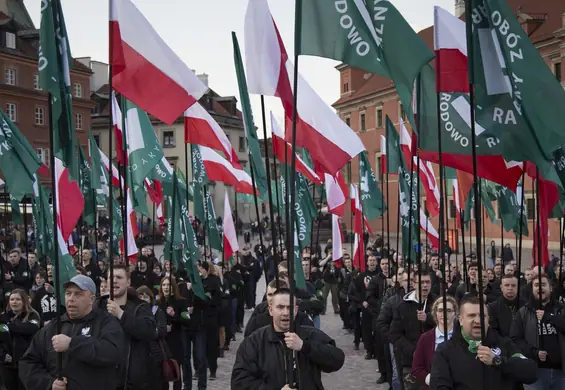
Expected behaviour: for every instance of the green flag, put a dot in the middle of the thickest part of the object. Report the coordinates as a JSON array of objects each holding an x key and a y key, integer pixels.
[
  {"x": 509, "y": 210},
  {"x": 371, "y": 195},
  {"x": 393, "y": 153},
  {"x": 371, "y": 35},
  {"x": 199, "y": 179},
  {"x": 212, "y": 225},
  {"x": 144, "y": 150},
  {"x": 16, "y": 212},
  {"x": 18, "y": 161},
  {"x": 85, "y": 174},
  {"x": 55, "y": 62},
  {"x": 255, "y": 157},
  {"x": 407, "y": 194}
]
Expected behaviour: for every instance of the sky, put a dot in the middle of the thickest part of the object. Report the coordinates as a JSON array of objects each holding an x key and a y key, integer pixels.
[{"x": 199, "y": 31}]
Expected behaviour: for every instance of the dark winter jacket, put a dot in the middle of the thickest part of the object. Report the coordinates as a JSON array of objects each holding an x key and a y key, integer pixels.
[
  {"x": 264, "y": 319},
  {"x": 20, "y": 273},
  {"x": 92, "y": 361},
  {"x": 45, "y": 304},
  {"x": 16, "y": 335},
  {"x": 358, "y": 291},
  {"x": 456, "y": 368},
  {"x": 393, "y": 297},
  {"x": 261, "y": 360},
  {"x": 501, "y": 314},
  {"x": 176, "y": 322}
]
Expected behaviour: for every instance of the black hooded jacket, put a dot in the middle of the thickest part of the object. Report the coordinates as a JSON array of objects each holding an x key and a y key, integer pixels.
[{"x": 501, "y": 314}]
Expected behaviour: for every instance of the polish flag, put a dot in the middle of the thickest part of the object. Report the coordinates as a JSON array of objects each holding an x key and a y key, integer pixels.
[
  {"x": 329, "y": 140},
  {"x": 336, "y": 193},
  {"x": 457, "y": 202},
  {"x": 279, "y": 148},
  {"x": 70, "y": 202},
  {"x": 201, "y": 129},
  {"x": 160, "y": 216},
  {"x": 230, "y": 235},
  {"x": 132, "y": 231},
  {"x": 337, "y": 240},
  {"x": 118, "y": 133},
  {"x": 359, "y": 253},
  {"x": 245, "y": 184},
  {"x": 450, "y": 45},
  {"x": 220, "y": 169},
  {"x": 383, "y": 155},
  {"x": 426, "y": 173},
  {"x": 145, "y": 70},
  {"x": 427, "y": 227},
  {"x": 154, "y": 189},
  {"x": 359, "y": 222}
]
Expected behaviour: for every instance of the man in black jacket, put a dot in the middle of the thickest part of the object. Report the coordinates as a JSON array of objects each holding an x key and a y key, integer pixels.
[
  {"x": 503, "y": 310},
  {"x": 92, "y": 342},
  {"x": 466, "y": 363},
  {"x": 262, "y": 357},
  {"x": 539, "y": 332},
  {"x": 362, "y": 314},
  {"x": 410, "y": 319},
  {"x": 139, "y": 326},
  {"x": 251, "y": 275},
  {"x": 91, "y": 267},
  {"x": 16, "y": 272}
]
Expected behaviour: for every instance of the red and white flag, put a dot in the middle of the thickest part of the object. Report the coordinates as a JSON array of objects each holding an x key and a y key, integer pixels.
[
  {"x": 201, "y": 129},
  {"x": 132, "y": 231},
  {"x": 427, "y": 227},
  {"x": 220, "y": 169},
  {"x": 160, "y": 216},
  {"x": 383, "y": 155},
  {"x": 118, "y": 132},
  {"x": 145, "y": 70},
  {"x": 336, "y": 193},
  {"x": 359, "y": 253},
  {"x": 457, "y": 203},
  {"x": 450, "y": 45},
  {"x": 360, "y": 223},
  {"x": 329, "y": 140},
  {"x": 337, "y": 240},
  {"x": 280, "y": 146},
  {"x": 70, "y": 202},
  {"x": 230, "y": 236}
]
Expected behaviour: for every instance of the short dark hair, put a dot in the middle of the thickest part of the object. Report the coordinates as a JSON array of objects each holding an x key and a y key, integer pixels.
[
  {"x": 473, "y": 264},
  {"x": 471, "y": 299},
  {"x": 508, "y": 277},
  {"x": 123, "y": 267},
  {"x": 282, "y": 284}
]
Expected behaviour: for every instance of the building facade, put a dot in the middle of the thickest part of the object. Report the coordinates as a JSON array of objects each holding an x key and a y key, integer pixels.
[{"x": 366, "y": 99}]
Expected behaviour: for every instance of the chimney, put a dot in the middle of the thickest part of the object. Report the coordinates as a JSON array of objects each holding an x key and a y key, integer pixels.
[
  {"x": 204, "y": 78},
  {"x": 459, "y": 8}
]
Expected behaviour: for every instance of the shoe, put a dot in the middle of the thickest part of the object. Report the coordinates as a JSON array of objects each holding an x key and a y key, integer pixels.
[
  {"x": 336, "y": 312},
  {"x": 233, "y": 338},
  {"x": 212, "y": 376},
  {"x": 356, "y": 347},
  {"x": 226, "y": 347},
  {"x": 381, "y": 380},
  {"x": 368, "y": 356}
]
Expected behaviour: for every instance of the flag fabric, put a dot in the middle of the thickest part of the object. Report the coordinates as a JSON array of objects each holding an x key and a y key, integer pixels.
[
  {"x": 457, "y": 203},
  {"x": 429, "y": 229},
  {"x": 270, "y": 72},
  {"x": 85, "y": 181},
  {"x": 143, "y": 148},
  {"x": 452, "y": 73},
  {"x": 231, "y": 244},
  {"x": 336, "y": 192},
  {"x": 254, "y": 150},
  {"x": 509, "y": 209},
  {"x": 359, "y": 261},
  {"x": 212, "y": 226},
  {"x": 393, "y": 150},
  {"x": 360, "y": 222},
  {"x": 16, "y": 212},
  {"x": 370, "y": 193},
  {"x": 201, "y": 129},
  {"x": 372, "y": 36},
  {"x": 383, "y": 155},
  {"x": 220, "y": 169},
  {"x": 145, "y": 70},
  {"x": 199, "y": 180},
  {"x": 55, "y": 62},
  {"x": 117, "y": 122},
  {"x": 281, "y": 146},
  {"x": 18, "y": 161},
  {"x": 337, "y": 240},
  {"x": 70, "y": 202}
]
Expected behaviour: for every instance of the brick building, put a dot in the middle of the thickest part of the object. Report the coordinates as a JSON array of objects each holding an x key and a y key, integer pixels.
[{"x": 366, "y": 99}]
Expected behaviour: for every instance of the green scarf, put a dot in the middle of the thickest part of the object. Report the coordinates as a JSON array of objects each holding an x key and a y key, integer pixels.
[{"x": 473, "y": 344}]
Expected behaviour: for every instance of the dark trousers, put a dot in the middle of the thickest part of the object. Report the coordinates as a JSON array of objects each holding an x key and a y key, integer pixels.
[
  {"x": 11, "y": 379},
  {"x": 357, "y": 326},
  {"x": 250, "y": 292},
  {"x": 240, "y": 313},
  {"x": 380, "y": 349},
  {"x": 345, "y": 314},
  {"x": 212, "y": 329},
  {"x": 196, "y": 339},
  {"x": 233, "y": 325},
  {"x": 367, "y": 331}
]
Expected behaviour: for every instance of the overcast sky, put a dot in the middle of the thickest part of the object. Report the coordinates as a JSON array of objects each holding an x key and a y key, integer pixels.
[{"x": 199, "y": 32}]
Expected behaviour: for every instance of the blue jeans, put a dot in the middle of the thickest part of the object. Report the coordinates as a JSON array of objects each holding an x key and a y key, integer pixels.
[
  {"x": 316, "y": 321},
  {"x": 548, "y": 379},
  {"x": 196, "y": 338},
  {"x": 395, "y": 382}
]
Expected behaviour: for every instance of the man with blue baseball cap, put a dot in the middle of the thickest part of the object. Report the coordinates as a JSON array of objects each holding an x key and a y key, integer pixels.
[{"x": 91, "y": 340}]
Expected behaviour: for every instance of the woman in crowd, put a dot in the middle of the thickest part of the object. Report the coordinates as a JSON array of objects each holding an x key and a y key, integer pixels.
[
  {"x": 429, "y": 341},
  {"x": 18, "y": 324}
]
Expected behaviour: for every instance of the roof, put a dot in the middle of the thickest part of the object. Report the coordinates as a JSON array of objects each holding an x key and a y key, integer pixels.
[
  {"x": 17, "y": 11},
  {"x": 549, "y": 12}
]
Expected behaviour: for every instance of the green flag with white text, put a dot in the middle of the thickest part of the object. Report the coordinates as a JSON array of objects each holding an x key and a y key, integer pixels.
[
  {"x": 371, "y": 35},
  {"x": 369, "y": 191},
  {"x": 85, "y": 174}
]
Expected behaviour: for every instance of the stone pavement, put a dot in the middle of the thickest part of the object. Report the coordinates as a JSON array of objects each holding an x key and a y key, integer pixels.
[{"x": 356, "y": 374}]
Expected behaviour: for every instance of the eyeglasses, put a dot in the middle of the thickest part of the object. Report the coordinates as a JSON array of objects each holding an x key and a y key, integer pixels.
[{"x": 449, "y": 311}]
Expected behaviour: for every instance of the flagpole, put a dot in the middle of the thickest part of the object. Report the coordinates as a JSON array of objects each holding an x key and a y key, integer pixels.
[
  {"x": 257, "y": 215},
  {"x": 561, "y": 232},
  {"x": 111, "y": 150},
  {"x": 125, "y": 216},
  {"x": 539, "y": 249},
  {"x": 29, "y": 275},
  {"x": 382, "y": 226},
  {"x": 153, "y": 228},
  {"x": 173, "y": 201},
  {"x": 186, "y": 190},
  {"x": 312, "y": 227},
  {"x": 95, "y": 223},
  {"x": 398, "y": 222},
  {"x": 446, "y": 210},
  {"x": 236, "y": 223},
  {"x": 484, "y": 218},
  {"x": 351, "y": 234},
  {"x": 470, "y": 50},
  {"x": 268, "y": 169},
  {"x": 319, "y": 220},
  {"x": 464, "y": 270},
  {"x": 388, "y": 208},
  {"x": 410, "y": 216},
  {"x": 57, "y": 274},
  {"x": 418, "y": 204},
  {"x": 280, "y": 235},
  {"x": 522, "y": 199}
]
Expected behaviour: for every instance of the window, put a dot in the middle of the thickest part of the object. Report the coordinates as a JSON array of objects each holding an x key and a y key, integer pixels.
[
  {"x": 36, "y": 85},
  {"x": 39, "y": 116},
  {"x": 378, "y": 169},
  {"x": 402, "y": 112},
  {"x": 379, "y": 117},
  {"x": 10, "y": 40},
  {"x": 531, "y": 208},
  {"x": 10, "y": 76},
  {"x": 12, "y": 111},
  {"x": 242, "y": 144},
  {"x": 43, "y": 154},
  {"x": 345, "y": 87},
  {"x": 78, "y": 90},
  {"x": 557, "y": 70},
  {"x": 78, "y": 121},
  {"x": 97, "y": 140},
  {"x": 169, "y": 139},
  {"x": 348, "y": 121},
  {"x": 452, "y": 209},
  {"x": 362, "y": 121}
]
